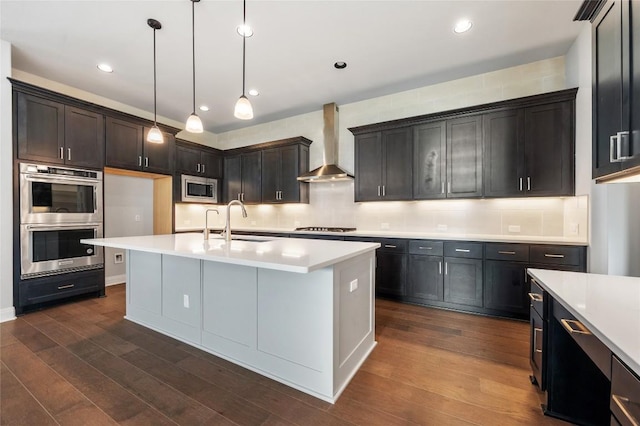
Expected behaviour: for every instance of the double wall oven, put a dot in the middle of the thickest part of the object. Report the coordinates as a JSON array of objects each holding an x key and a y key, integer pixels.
[{"x": 59, "y": 206}]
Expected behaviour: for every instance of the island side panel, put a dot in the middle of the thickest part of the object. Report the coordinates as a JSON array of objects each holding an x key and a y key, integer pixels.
[
  {"x": 354, "y": 317},
  {"x": 144, "y": 284}
]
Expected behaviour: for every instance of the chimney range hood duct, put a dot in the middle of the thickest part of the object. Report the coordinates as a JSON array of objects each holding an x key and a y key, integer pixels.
[{"x": 329, "y": 172}]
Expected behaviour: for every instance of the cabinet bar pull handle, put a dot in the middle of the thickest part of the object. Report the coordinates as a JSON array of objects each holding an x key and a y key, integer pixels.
[
  {"x": 146, "y": 161},
  {"x": 390, "y": 246},
  {"x": 62, "y": 153},
  {"x": 242, "y": 197},
  {"x": 535, "y": 297},
  {"x": 383, "y": 190},
  {"x": 239, "y": 197},
  {"x": 425, "y": 248},
  {"x": 573, "y": 326},
  {"x": 62, "y": 287},
  {"x": 442, "y": 188},
  {"x": 198, "y": 168},
  {"x": 506, "y": 252},
  {"x": 520, "y": 184},
  {"x": 449, "y": 187},
  {"x": 203, "y": 168},
  {"x": 446, "y": 268},
  {"x": 463, "y": 250},
  {"x": 528, "y": 183},
  {"x": 440, "y": 268},
  {"x": 378, "y": 190},
  {"x": 536, "y": 330},
  {"x": 612, "y": 149},
  {"x": 555, "y": 256},
  {"x": 139, "y": 160},
  {"x": 68, "y": 154},
  {"x": 620, "y": 401}
]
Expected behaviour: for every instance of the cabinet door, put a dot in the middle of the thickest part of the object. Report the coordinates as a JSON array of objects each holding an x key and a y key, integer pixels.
[
  {"x": 503, "y": 153},
  {"x": 464, "y": 157},
  {"x": 158, "y": 157},
  {"x": 188, "y": 160},
  {"x": 429, "y": 161},
  {"x": 232, "y": 178},
  {"x": 289, "y": 172},
  {"x": 505, "y": 287},
  {"x": 40, "y": 129},
  {"x": 391, "y": 274},
  {"x": 271, "y": 171},
  {"x": 83, "y": 138},
  {"x": 368, "y": 165},
  {"x": 607, "y": 85},
  {"x": 634, "y": 101},
  {"x": 212, "y": 164},
  {"x": 123, "y": 147},
  {"x": 549, "y": 150},
  {"x": 425, "y": 278},
  {"x": 251, "y": 177},
  {"x": 397, "y": 179},
  {"x": 463, "y": 281}
]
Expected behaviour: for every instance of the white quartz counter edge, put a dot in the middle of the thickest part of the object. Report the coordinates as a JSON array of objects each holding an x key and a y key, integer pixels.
[
  {"x": 308, "y": 255},
  {"x": 525, "y": 239},
  {"x": 608, "y": 305}
]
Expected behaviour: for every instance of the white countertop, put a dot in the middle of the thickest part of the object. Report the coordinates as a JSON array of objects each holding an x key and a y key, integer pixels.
[
  {"x": 284, "y": 254},
  {"x": 523, "y": 239},
  {"x": 608, "y": 305}
]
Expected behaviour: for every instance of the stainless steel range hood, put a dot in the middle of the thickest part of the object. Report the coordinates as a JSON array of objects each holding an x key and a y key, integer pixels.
[{"x": 329, "y": 172}]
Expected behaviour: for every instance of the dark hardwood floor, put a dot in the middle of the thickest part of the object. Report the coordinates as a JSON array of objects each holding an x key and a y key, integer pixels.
[{"x": 82, "y": 363}]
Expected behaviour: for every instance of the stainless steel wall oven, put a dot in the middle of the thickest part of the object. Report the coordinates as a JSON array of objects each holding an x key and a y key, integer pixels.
[{"x": 59, "y": 206}]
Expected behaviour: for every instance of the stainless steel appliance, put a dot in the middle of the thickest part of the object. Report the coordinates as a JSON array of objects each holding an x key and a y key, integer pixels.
[
  {"x": 53, "y": 194},
  {"x": 49, "y": 249},
  {"x": 199, "y": 189}
]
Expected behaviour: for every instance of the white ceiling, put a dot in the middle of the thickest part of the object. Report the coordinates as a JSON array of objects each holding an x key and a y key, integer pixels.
[{"x": 389, "y": 46}]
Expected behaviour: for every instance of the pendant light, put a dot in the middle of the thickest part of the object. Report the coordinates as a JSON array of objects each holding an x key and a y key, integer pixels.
[
  {"x": 194, "y": 124},
  {"x": 154, "y": 135},
  {"x": 243, "y": 109}
]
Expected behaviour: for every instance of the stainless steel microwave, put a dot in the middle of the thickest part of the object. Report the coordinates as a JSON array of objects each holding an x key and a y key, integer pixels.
[{"x": 199, "y": 189}]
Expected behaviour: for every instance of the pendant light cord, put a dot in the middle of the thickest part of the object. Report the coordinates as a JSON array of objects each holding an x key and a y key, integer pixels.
[
  {"x": 193, "y": 52},
  {"x": 244, "y": 40},
  {"x": 155, "y": 120}
]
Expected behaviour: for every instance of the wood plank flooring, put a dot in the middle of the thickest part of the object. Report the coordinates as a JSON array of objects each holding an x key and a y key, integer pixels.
[{"x": 83, "y": 364}]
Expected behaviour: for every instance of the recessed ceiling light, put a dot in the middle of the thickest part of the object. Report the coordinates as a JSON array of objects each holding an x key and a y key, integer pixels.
[
  {"x": 105, "y": 67},
  {"x": 340, "y": 65},
  {"x": 204, "y": 108},
  {"x": 254, "y": 92},
  {"x": 245, "y": 30},
  {"x": 462, "y": 26}
]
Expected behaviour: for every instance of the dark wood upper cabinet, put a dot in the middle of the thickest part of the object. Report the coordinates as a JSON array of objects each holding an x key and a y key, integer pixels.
[
  {"x": 504, "y": 153},
  {"x": 242, "y": 177},
  {"x": 211, "y": 164},
  {"x": 280, "y": 170},
  {"x": 158, "y": 157},
  {"x": 464, "y": 157},
  {"x": 187, "y": 159},
  {"x": 123, "y": 144},
  {"x": 232, "y": 178},
  {"x": 429, "y": 160},
  {"x": 52, "y": 132},
  {"x": 197, "y": 161},
  {"x": 384, "y": 165}
]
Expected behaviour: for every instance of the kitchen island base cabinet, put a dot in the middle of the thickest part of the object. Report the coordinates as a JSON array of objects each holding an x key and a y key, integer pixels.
[{"x": 309, "y": 331}]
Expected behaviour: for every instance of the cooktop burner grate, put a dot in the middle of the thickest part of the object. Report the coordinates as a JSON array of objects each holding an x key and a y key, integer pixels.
[{"x": 325, "y": 229}]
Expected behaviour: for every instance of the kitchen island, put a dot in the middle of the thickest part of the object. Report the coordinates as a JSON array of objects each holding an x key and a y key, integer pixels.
[{"x": 298, "y": 311}]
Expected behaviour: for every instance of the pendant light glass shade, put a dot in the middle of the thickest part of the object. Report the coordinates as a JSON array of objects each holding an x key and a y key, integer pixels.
[
  {"x": 194, "y": 124},
  {"x": 243, "y": 110},
  {"x": 155, "y": 135}
]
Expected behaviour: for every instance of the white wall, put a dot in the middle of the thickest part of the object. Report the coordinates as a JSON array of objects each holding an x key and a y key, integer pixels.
[
  {"x": 6, "y": 178},
  {"x": 128, "y": 212}
]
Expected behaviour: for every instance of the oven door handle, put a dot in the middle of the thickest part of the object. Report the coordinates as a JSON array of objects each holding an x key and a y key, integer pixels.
[
  {"x": 64, "y": 226},
  {"x": 57, "y": 179}
]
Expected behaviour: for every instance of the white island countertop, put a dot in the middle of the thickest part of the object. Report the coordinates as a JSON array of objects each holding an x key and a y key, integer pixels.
[
  {"x": 608, "y": 305},
  {"x": 283, "y": 254}
]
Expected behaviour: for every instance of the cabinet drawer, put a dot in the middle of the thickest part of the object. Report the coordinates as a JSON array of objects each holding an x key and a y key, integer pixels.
[
  {"x": 537, "y": 296},
  {"x": 625, "y": 394},
  {"x": 463, "y": 249},
  {"x": 393, "y": 245},
  {"x": 558, "y": 255},
  {"x": 426, "y": 247},
  {"x": 512, "y": 252},
  {"x": 44, "y": 289},
  {"x": 590, "y": 344}
]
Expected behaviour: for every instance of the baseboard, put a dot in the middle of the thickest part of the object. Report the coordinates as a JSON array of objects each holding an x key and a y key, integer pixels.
[
  {"x": 116, "y": 279},
  {"x": 7, "y": 314}
]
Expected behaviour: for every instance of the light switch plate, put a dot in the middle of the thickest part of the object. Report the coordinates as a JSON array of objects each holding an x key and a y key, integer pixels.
[
  {"x": 353, "y": 285},
  {"x": 442, "y": 227},
  {"x": 185, "y": 300},
  {"x": 384, "y": 225},
  {"x": 574, "y": 228}
]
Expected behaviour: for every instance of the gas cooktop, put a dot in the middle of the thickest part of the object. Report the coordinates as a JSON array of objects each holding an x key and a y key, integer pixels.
[{"x": 325, "y": 229}]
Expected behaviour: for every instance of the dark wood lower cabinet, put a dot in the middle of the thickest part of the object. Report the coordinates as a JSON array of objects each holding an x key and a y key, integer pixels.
[
  {"x": 424, "y": 279},
  {"x": 391, "y": 274},
  {"x": 505, "y": 287},
  {"x": 463, "y": 281}
]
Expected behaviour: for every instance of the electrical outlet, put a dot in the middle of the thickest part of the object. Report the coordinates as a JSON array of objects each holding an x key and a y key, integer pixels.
[
  {"x": 253, "y": 223},
  {"x": 118, "y": 257},
  {"x": 384, "y": 225},
  {"x": 138, "y": 218},
  {"x": 574, "y": 228},
  {"x": 514, "y": 228},
  {"x": 185, "y": 300},
  {"x": 442, "y": 227},
  {"x": 353, "y": 285}
]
